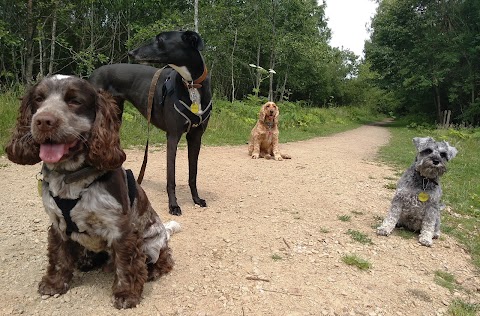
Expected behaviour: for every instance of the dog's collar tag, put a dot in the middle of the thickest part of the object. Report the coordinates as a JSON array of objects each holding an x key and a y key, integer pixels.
[
  {"x": 194, "y": 108},
  {"x": 39, "y": 178},
  {"x": 423, "y": 196}
]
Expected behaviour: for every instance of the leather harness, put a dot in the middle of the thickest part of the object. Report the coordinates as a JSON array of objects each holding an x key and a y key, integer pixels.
[
  {"x": 168, "y": 89},
  {"x": 66, "y": 205}
]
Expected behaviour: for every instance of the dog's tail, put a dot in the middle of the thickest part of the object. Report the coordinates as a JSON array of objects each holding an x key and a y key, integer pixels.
[{"x": 172, "y": 227}]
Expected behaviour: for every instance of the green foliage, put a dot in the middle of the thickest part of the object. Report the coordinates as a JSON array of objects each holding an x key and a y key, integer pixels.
[
  {"x": 445, "y": 279},
  {"x": 354, "y": 260},
  {"x": 427, "y": 55},
  {"x": 360, "y": 237},
  {"x": 344, "y": 218},
  {"x": 460, "y": 308}
]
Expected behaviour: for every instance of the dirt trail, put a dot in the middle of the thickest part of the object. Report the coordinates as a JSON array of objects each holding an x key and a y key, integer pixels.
[{"x": 271, "y": 220}]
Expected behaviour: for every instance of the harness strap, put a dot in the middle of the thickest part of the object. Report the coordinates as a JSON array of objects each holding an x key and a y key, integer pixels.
[
  {"x": 66, "y": 205},
  {"x": 151, "y": 93},
  {"x": 132, "y": 186},
  {"x": 192, "y": 119}
]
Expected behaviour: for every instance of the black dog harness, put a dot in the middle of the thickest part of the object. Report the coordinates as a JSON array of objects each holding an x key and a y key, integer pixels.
[
  {"x": 66, "y": 205},
  {"x": 193, "y": 120}
]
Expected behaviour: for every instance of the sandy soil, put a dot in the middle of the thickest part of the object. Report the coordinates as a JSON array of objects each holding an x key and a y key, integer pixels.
[{"x": 270, "y": 241}]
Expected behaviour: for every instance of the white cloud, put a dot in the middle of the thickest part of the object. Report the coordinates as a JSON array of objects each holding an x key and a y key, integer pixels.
[{"x": 348, "y": 21}]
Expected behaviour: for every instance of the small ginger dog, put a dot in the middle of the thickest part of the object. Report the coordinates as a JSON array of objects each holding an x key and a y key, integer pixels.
[{"x": 264, "y": 135}]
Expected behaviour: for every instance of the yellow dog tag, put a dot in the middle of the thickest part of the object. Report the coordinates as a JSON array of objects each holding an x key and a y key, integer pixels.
[
  {"x": 423, "y": 196},
  {"x": 194, "y": 107}
]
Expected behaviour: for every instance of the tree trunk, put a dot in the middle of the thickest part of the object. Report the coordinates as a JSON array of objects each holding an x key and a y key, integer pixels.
[
  {"x": 282, "y": 90},
  {"x": 231, "y": 60},
  {"x": 29, "y": 54},
  {"x": 438, "y": 104},
  {"x": 40, "y": 54},
  {"x": 196, "y": 15},
  {"x": 273, "y": 52},
  {"x": 257, "y": 78},
  {"x": 54, "y": 39}
]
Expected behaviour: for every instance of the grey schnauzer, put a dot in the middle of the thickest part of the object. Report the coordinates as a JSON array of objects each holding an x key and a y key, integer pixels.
[{"x": 416, "y": 203}]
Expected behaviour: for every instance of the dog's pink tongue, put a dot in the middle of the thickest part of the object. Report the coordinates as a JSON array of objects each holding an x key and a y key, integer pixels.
[{"x": 52, "y": 153}]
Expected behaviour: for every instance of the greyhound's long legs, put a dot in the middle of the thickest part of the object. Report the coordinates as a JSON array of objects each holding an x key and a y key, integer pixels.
[
  {"x": 172, "y": 143},
  {"x": 194, "y": 140}
]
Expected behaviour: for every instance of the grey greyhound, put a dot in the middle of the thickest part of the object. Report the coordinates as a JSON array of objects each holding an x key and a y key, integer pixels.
[{"x": 182, "y": 100}]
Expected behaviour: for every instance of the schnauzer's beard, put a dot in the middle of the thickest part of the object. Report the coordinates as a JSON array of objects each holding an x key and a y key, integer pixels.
[{"x": 428, "y": 169}]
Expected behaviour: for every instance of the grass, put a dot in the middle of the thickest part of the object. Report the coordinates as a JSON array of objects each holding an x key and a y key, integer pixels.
[
  {"x": 405, "y": 234},
  {"x": 360, "y": 237},
  {"x": 461, "y": 184},
  {"x": 354, "y": 260},
  {"x": 344, "y": 218},
  {"x": 460, "y": 308},
  {"x": 445, "y": 279},
  {"x": 276, "y": 257}
]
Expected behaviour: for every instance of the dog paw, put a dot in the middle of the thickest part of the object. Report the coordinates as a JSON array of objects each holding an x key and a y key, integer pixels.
[
  {"x": 278, "y": 158},
  {"x": 123, "y": 302},
  {"x": 175, "y": 210},
  {"x": 255, "y": 156},
  {"x": 425, "y": 241},
  {"x": 381, "y": 231},
  {"x": 200, "y": 202},
  {"x": 46, "y": 288}
]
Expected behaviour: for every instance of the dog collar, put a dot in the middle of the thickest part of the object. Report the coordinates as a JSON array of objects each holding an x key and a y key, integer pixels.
[
  {"x": 269, "y": 124},
  {"x": 197, "y": 82}
]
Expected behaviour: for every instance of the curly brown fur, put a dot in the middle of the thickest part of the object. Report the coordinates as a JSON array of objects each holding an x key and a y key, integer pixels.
[
  {"x": 74, "y": 130},
  {"x": 264, "y": 135}
]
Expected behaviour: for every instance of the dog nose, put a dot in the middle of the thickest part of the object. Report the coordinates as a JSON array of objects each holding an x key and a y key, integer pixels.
[
  {"x": 435, "y": 161},
  {"x": 45, "y": 121}
]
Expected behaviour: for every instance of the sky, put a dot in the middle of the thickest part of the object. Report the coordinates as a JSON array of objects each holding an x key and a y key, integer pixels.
[{"x": 348, "y": 21}]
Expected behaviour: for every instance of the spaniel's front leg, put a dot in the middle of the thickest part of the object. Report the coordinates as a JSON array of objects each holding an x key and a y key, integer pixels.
[
  {"x": 61, "y": 263},
  {"x": 275, "y": 148},
  {"x": 130, "y": 270}
]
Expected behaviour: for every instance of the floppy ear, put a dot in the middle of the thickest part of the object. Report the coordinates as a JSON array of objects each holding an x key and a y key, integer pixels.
[
  {"x": 193, "y": 39},
  {"x": 277, "y": 114},
  {"x": 261, "y": 114},
  {"x": 105, "y": 152},
  {"x": 21, "y": 147}
]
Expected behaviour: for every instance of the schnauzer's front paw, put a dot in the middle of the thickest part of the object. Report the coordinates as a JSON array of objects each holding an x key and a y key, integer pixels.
[
  {"x": 255, "y": 156},
  {"x": 382, "y": 231},
  {"x": 278, "y": 158},
  {"x": 45, "y": 287},
  {"x": 123, "y": 302},
  {"x": 425, "y": 241}
]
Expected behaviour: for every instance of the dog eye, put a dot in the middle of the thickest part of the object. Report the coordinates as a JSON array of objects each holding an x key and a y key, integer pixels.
[
  {"x": 74, "y": 102},
  {"x": 39, "y": 99},
  {"x": 427, "y": 151},
  {"x": 443, "y": 155}
]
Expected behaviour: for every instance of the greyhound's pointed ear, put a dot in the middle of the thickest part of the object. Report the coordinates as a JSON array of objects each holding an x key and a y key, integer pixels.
[{"x": 194, "y": 39}]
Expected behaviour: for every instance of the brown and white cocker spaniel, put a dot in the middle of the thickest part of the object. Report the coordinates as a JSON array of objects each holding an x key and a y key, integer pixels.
[
  {"x": 98, "y": 213},
  {"x": 264, "y": 135}
]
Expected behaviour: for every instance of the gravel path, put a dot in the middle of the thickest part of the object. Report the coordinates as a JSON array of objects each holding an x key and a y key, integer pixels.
[{"x": 270, "y": 241}]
